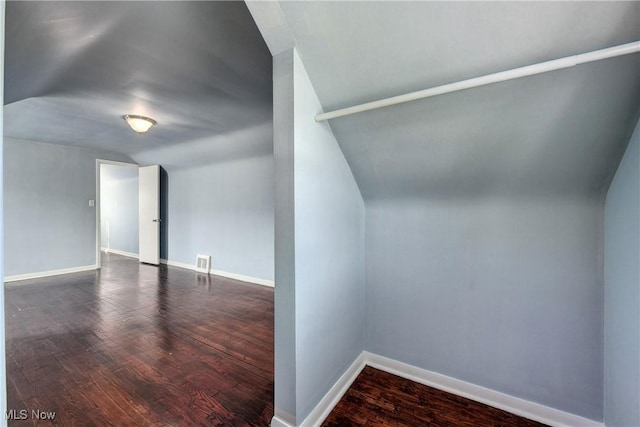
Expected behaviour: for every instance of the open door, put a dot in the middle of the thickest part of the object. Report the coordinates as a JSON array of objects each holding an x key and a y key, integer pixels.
[{"x": 149, "y": 214}]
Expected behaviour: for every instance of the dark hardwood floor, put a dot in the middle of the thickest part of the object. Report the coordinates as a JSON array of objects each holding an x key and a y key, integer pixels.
[
  {"x": 377, "y": 398},
  {"x": 140, "y": 345}
]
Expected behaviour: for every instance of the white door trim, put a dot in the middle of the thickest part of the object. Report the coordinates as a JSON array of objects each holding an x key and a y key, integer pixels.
[{"x": 100, "y": 162}]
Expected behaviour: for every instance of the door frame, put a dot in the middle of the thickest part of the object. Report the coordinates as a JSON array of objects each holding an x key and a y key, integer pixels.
[{"x": 100, "y": 162}]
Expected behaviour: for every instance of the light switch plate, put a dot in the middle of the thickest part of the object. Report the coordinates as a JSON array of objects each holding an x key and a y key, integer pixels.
[{"x": 92, "y": 203}]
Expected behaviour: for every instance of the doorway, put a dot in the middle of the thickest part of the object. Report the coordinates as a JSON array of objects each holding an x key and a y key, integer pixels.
[{"x": 116, "y": 209}]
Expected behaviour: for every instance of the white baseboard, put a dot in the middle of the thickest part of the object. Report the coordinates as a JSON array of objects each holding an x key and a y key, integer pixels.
[
  {"x": 119, "y": 252},
  {"x": 278, "y": 422},
  {"x": 255, "y": 280},
  {"x": 333, "y": 396},
  {"x": 177, "y": 264},
  {"x": 282, "y": 419},
  {"x": 524, "y": 408},
  {"x": 249, "y": 279},
  {"x": 18, "y": 277}
]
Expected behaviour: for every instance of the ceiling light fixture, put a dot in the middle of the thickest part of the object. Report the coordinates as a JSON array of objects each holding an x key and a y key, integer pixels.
[{"x": 139, "y": 124}]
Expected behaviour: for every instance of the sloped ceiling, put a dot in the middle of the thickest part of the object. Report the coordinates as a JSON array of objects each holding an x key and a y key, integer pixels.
[
  {"x": 201, "y": 69},
  {"x": 561, "y": 132}
]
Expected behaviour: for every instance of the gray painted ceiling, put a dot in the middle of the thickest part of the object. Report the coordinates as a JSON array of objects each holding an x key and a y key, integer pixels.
[
  {"x": 201, "y": 69},
  {"x": 561, "y": 132}
]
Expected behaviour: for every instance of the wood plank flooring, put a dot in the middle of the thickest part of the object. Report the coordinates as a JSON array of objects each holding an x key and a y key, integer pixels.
[
  {"x": 137, "y": 345},
  {"x": 377, "y": 399},
  {"x": 140, "y": 345}
]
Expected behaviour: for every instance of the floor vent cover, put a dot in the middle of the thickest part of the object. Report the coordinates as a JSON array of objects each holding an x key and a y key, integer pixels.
[{"x": 203, "y": 263}]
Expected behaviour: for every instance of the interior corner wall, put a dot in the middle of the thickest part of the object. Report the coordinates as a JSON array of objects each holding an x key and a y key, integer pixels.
[
  {"x": 284, "y": 239},
  {"x": 119, "y": 210},
  {"x": 319, "y": 249},
  {"x": 622, "y": 292},
  {"x": 329, "y": 252},
  {"x": 49, "y": 224},
  {"x": 501, "y": 292}
]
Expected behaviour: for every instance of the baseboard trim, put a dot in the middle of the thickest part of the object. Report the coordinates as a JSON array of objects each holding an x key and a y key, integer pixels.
[
  {"x": 254, "y": 280},
  {"x": 524, "y": 408},
  {"x": 28, "y": 276},
  {"x": 279, "y": 422},
  {"x": 322, "y": 410},
  {"x": 242, "y": 278},
  {"x": 119, "y": 252},
  {"x": 177, "y": 264},
  {"x": 282, "y": 419}
]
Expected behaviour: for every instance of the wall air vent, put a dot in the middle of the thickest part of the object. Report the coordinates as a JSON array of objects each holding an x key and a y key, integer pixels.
[{"x": 203, "y": 263}]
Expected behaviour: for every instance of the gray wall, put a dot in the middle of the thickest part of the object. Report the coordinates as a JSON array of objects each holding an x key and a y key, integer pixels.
[
  {"x": 319, "y": 249},
  {"x": 622, "y": 292},
  {"x": 329, "y": 253},
  {"x": 224, "y": 210},
  {"x": 48, "y": 222},
  {"x": 499, "y": 292},
  {"x": 119, "y": 208},
  {"x": 284, "y": 239},
  {"x": 3, "y": 372}
]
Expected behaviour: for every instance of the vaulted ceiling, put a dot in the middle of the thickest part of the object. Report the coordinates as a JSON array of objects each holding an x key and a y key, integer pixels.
[
  {"x": 561, "y": 132},
  {"x": 201, "y": 69}
]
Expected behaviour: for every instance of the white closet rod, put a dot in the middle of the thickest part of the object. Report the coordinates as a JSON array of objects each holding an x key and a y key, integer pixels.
[{"x": 542, "y": 67}]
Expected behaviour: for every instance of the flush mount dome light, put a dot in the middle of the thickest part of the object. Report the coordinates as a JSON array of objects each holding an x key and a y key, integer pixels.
[{"x": 139, "y": 124}]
